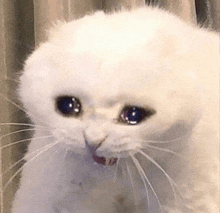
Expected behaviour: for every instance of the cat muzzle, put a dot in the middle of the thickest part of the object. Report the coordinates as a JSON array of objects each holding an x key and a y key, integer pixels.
[{"x": 100, "y": 159}]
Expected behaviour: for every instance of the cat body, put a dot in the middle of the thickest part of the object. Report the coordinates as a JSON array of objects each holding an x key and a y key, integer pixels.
[{"x": 143, "y": 133}]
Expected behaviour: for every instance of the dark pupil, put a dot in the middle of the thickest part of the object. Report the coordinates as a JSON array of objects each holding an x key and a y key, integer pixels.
[
  {"x": 69, "y": 106},
  {"x": 134, "y": 115}
]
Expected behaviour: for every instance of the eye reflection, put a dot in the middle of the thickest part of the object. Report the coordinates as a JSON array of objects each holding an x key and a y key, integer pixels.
[
  {"x": 133, "y": 115},
  {"x": 68, "y": 105}
]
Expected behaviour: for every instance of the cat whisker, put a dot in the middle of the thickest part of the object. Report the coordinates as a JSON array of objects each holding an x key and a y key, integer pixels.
[
  {"x": 116, "y": 170},
  {"x": 144, "y": 177},
  {"x": 122, "y": 169},
  {"x": 24, "y": 140},
  {"x": 170, "y": 141},
  {"x": 47, "y": 147},
  {"x": 66, "y": 151},
  {"x": 11, "y": 79},
  {"x": 13, "y": 103},
  {"x": 172, "y": 183},
  {"x": 146, "y": 146},
  {"x": 17, "y": 162},
  {"x": 21, "y": 108},
  {"x": 15, "y": 132},
  {"x": 25, "y": 124},
  {"x": 164, "y": 141},
  {"x": 132, "y": 183}
]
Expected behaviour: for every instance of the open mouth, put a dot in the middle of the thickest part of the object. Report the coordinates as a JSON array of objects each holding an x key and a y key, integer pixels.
[{"x": 105, "y": 161}]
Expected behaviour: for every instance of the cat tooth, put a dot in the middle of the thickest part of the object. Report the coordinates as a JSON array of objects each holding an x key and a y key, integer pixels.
[
  {"x": 99, "y": 160},
  {"x": 110, "y": 161},
  {"x": 104, "y": 161},
  {"x": 113, "y": 161}
]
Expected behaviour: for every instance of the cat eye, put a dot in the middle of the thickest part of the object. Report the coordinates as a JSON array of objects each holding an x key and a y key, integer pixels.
[
  {"x": 68, "y": 105},
  {"x": 133, "y": 115}
]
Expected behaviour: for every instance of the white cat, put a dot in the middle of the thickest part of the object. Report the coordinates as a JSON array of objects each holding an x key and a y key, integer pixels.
[{"x": 125, "y": 108}]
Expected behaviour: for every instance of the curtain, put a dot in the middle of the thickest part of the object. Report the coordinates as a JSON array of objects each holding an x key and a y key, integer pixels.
[{"x": 22, "y": 27}]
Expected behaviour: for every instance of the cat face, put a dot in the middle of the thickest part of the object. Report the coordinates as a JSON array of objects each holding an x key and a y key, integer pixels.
[{"x": 114, "y": 93}]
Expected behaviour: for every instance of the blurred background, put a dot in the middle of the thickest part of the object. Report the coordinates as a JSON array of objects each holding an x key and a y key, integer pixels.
[{"x": 22, "y": 28}]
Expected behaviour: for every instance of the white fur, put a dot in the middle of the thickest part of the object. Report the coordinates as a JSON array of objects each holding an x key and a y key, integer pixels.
[{"x": 145, "y": 57}]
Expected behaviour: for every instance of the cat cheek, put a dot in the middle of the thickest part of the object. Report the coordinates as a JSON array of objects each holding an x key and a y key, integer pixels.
[
  {"x": 125, "y": 143},
  {"x": 59, "y": 134}
]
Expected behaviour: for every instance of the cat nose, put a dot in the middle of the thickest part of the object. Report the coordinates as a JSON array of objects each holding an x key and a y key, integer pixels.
[{"x": 94, "y": 138}]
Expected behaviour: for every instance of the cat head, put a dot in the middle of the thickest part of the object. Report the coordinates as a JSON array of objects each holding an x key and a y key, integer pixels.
[{"x": 113, "y": 82}]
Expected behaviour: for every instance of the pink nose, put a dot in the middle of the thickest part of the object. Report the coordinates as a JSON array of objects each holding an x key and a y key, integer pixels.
[
  {"x": 93, "y": 146},
  {"x": 94, "y": 138}
]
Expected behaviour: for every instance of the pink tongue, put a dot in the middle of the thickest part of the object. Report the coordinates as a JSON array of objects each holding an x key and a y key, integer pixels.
[{"x": 105, "y": 161}]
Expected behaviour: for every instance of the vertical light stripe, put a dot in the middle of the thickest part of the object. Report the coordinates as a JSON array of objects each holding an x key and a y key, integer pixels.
[
  {"x": 3, "y": 64},
  {"x": 69, "y": 9},
  {"x": 185, "y": 9},
  {"x": 3, "y": 86}
]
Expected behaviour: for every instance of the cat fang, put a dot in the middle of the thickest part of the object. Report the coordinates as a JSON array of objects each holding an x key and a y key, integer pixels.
[{"x": 105, "y": 161}]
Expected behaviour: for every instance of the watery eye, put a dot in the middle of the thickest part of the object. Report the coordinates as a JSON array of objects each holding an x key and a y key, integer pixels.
[
  {"x": 133, "y": 115},
  {"x": 68, "y": 106}
]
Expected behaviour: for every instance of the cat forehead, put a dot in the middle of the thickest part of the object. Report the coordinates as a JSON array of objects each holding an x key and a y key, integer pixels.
[
  {"x": 103, "y": 30},
  {"x": 125, "y": 51},
  {"x": 108, "y": 40},
  {"x": 118, "y": 33},
  {"x": 109, "y": 45},
  {"x": 69, "y": 72},
  {"x": 110, "y": 77}
]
